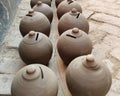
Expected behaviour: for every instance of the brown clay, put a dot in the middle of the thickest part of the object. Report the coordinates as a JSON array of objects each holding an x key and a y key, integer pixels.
[
  {"x": 73, "y": 43},
  {"x": 34, "y": 2},
  {"x": 57, "y": 2},
  {"x": 67, "y": 5},
  {"x": 35, "y": 80},
  {"x": 45, "y": 9},
  {"x": 73, "y": 19},
  {"x": 35, "y": 48},
  {"x": 88, "y": 76},
  {"x": 34, "y": 21}
]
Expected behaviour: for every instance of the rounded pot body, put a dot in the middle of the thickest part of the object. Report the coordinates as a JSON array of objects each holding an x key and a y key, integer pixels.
[
  {"x": 35, "y": 80},
  {"x": 71, "y": 45},
  {"x": 57, "y": 2},
  {"x": 34, "y": 21},
  {"x": 67, "y": 5},
  {"x": 72, "y": 19},
  {"x": 88, "y": 77},
  {"x": 45, "y": 9},
  {"x": 35, "y": 48},
  {"x": 34, "y": 2}
]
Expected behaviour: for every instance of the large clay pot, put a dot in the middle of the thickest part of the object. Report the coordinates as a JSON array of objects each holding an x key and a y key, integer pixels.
[
  {"x": 73, "y": 43},
  {"x": 45, "y": 9},
  {"x": 34, "y": 21},
  {"x": 73, "y": 19},
  {"x": 66, "y": 6},
  {"x": 88, "y": 76},
  {"x": 35, "y": 80},
  {"x": 35, "y": 48},
  {"x": 34, "y": 2}
]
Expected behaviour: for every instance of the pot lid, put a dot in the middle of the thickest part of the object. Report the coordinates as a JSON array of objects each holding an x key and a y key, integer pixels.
[
  {"x": 75, "y": 33},
  {"x": 90, "y": 62},
  {"x": 32, "y": 37},
  {"x": 31, "y": 73}
]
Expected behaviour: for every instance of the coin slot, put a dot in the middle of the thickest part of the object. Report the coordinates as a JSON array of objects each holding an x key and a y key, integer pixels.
[
  {"x": 42, "y": 75},
  {"x": 30, "y": 15},
  {"x": 71, "y": 36},
  {"x": 37, "y": 36},
  {"x": 78, "y": 15},
  {"x": 70, "y": 2}
]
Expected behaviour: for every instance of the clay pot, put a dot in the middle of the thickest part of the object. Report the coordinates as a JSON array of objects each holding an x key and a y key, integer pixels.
[
  {"x": 57, "y": 2},
  {"x": 35, "y": 80},
  {"x": 88, "y": 76},
  {"x": 35, "y": 48},
  {"x": 34, "y": 2},
  {"x": 67, "y": 5},
  {"x": 34, "y": 21},
  {"x": 73, "y": 19},
  {"x": 73, "y": 43},
  {"x": 45, "y": 9}
]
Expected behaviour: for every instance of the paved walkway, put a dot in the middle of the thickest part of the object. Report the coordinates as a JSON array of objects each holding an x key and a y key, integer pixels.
[{"x": 104, "y": 20}]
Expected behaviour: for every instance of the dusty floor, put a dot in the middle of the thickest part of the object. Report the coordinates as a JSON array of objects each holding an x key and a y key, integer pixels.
[{"x": 104, "y": 20}]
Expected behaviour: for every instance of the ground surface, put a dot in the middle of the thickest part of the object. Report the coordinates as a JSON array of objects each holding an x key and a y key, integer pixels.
[{"x": 104, "y": 20}]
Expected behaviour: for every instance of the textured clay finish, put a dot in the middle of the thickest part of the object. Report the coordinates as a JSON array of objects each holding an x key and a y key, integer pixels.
[
  {"x": 57, "y": 2},
  {"x": 35, "y": 80},
  {"x": 34, "y": 21},
  {"x": 73, "y": 43},
  {"x": 45, "y": 9},
  {"x": 88, "y": 76},
  {"x": 35, "y": 48},
  {"x": 72, "y": 19},
  {"x": 34, "y": 2},
  {"x": 66, "y": 6}
]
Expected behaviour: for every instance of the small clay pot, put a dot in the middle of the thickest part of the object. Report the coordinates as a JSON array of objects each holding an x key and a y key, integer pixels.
[
  {"x": 45, "y": 9},
  {"x": 57, "y": 2},
  {"x": 73, "y": 43},
  {"x": 67, "y": 5},
  {"x": 35, "y": 80},
  {"x": 34, "y": 21},
  {"x": 34, "y": 2},
  {"x": 73, "y": 19},
  {"x": 35, "y": 48},
  {"x": 88, "y": 76}
]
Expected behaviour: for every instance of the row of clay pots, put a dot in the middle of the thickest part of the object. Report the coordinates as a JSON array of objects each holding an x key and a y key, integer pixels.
[
  {"x": 85, "y": 74},
  {"x": 36, "y": 49}
]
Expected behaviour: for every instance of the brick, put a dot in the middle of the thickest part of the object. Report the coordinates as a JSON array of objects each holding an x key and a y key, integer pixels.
[
  {"x": 110, "y": 29},
  {"x": 112, "y": 93},
  {"x": 112, "y": 41},
  {"x": 116, "y": 53},
  {"x": 100, "y": 17},
  {"x": 5, "y": 84},
  {"x": 115, "y": 86},
  {"x": 105, "y": 10},
  {"x": 109, "y": 64}
]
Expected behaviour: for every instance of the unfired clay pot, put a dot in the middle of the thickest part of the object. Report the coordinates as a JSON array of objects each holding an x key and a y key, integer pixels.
[
  {"x": 34, "y": 2},
  {"x": 45, "y": 9},
  {"x": 35, "y": 80},
  {"x": 35, "y": 48},
  {"x": 57, "y": 2},
  {"x": 88, "y": 76},
  {"x": 67, "y": 5},
  {"x": 73, "y": 43},
  {"x": 34, "y": 21},
  {"x": 73, "y": 19}
]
